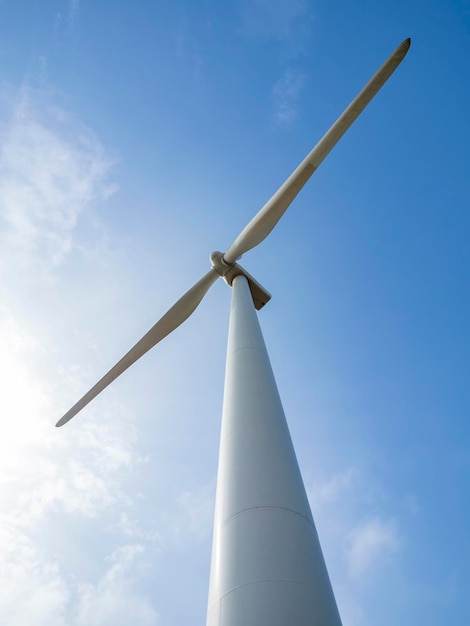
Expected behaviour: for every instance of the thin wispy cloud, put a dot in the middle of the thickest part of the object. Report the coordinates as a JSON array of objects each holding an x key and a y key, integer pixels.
[
  {"x": 114, "y": 599},
  {"x": 334, "y": 487},
  {"x": 288, "y": 24},
  {"x": 370, "y": 543},
  {"x": 56, "y": 24},
  {"x": 44, "y": 480},
  {"x": 194, "y": 514},
  {"x": 74, "y": 9},
  {"x": 355, "y": 544},
  {"x": 52, "y": 168},
  {"x": 32, "y": 588},
  {"x": 285, "y": 96}
]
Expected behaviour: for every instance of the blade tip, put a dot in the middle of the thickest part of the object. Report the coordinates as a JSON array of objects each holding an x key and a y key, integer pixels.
[
  {"x": 400, "y": 52},
  {"x": 405, "y": 44},
  {"x": 63, "y": 420}
]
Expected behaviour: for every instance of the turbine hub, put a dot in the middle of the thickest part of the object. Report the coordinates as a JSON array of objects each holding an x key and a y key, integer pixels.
[
  {"x": 229, "y": 271},
  {"x": 219, "y": 264}
]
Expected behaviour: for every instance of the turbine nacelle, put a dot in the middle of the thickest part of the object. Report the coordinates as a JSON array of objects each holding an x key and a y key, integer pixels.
[{"x": 230, "y": 271}]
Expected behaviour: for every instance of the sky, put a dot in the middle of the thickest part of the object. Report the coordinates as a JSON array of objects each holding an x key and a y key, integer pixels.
[{"x": 135, "y": 139}]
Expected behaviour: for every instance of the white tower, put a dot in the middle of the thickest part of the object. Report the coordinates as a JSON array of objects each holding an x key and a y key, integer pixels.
[{"x": 267, "y": 565}]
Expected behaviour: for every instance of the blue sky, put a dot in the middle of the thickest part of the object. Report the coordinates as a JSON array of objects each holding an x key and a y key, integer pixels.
[{"x": 135, "y": 139}]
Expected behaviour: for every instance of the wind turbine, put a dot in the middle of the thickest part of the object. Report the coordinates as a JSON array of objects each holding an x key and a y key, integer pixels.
[{"x": 267, "y": 566}]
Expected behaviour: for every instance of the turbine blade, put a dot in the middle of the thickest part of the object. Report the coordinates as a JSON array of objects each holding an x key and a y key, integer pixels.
[
  {"x": 267, "y": 218},
  {"x": 175, "y": 316}
]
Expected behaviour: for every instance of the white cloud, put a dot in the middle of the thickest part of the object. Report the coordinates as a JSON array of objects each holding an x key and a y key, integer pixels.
[
  {"x": 341, "y": 505},
  {"x": 196, "y": 512},
  {"x": 334, "y": 502},
  {"x": 359, "y": 536},
  {"x": 113, "y": 601},
  {"x": 288, "y": 23},
  {"x": 188, "y": 520},
  {"x": 56, "y": 25},
  {"x": 74, "y": 8},
  {"x": 39, "y": 471},
  {"x": 371, "y": 542},
  {"x": 32, "y": 590},
  {"x": 333, "y": 487},
  {"x": 51, "y": 169},
  {"x": 285, "y": 95}
]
